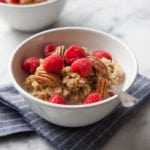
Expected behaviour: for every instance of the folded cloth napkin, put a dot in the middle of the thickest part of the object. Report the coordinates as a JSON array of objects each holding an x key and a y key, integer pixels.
[{"x": 16, "y": 116}]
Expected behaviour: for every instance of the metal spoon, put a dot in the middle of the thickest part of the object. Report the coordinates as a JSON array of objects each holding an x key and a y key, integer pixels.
[{"x": 126, "y": 99}]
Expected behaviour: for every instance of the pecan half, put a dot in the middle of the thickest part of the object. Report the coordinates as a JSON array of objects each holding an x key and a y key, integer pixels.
[
  {"x": 98, "y": 65},
  {"x": 28, "y": 1},
  {"x": 87, "y": 53},
  {"x": 60, "y": 50},
  {"x": 48, "y": 79},
  {"x": 102, "y": 87},
  {"x": 24, "y": 1}
]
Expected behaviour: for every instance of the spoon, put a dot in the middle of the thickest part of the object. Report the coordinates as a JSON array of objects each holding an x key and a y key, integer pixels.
[{"x": 126, "y": 99}]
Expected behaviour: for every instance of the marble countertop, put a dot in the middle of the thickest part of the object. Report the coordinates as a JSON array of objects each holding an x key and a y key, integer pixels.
[{"x": 129, "y": 21}]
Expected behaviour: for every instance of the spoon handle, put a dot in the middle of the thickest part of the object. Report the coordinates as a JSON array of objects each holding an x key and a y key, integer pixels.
[{"x": 126, "y": 99}]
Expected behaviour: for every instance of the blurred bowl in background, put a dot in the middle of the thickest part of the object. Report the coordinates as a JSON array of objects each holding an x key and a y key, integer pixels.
[{"x": 31, "y": 17}]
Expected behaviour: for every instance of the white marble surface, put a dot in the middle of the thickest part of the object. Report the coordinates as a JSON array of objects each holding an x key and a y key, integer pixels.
[{"x": 129, "y": 20}]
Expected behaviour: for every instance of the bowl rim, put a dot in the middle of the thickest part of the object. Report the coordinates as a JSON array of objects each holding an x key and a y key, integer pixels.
[
  {"x": 29, "y": 5},
  {"x": 28, "y": 95}
]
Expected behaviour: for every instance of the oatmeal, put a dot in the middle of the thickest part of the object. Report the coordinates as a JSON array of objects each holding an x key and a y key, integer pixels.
[{"x": 73, "y": 73}]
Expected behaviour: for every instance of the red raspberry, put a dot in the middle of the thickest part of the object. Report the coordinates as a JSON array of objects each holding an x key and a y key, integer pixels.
[
  {"x": 82, "y": 66},
  {"x": 14, "y": 1},
  {"x": 92, "y": 98},
  {"x": 53, "y": 64},
  {"x": 30, "y": 64},
  {"x": 58, "y": 99},
  {"x": 48, "y": 50},
  {"x": 100, "y": 54},
  {"x": 73, "y": 53},
  {"x": 2, "y": 1}
]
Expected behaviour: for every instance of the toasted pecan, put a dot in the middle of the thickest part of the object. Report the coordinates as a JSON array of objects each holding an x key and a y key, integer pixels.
[
  {"x": 102, "y": 87},
  {"x": 98, "y": 65},
  {"x": 87, "y": 53},
  {"x": 28, "y": 1},
  {"x": 60, "y": 50},
  {"x": 48, "y": 79}
]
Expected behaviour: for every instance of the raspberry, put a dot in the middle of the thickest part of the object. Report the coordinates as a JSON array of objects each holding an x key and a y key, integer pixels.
[
  {"x": 92, "y": 98},
  {"x": 57, "y": 98},
  {"x": 14, "y": 1},
  {"x": 48, "y": 50},
  {"x": 100, "y": 54},
  {"x": 30, "y": 64},
  {"x": 82, "y": 66},
  {"x": 2, "y": 1},
  {"x": 53, "y": 64},
  {"x": 73, "y": 53}
]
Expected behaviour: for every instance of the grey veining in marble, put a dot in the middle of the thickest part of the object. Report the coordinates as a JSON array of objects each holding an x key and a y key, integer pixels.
[{"x": 129, "y": 20}]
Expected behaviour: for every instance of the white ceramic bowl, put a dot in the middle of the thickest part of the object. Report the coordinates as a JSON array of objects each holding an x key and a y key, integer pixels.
[
  {"x": 31, "y": 17},
  {"x": 72, "y": 115}
]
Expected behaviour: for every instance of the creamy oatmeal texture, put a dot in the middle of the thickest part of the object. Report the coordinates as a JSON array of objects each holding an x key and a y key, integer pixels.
[{"x": 71, "y": 85}]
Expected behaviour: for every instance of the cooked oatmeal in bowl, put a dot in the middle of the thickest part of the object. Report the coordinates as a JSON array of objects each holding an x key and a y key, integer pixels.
[
  {"x": 73, "y": 74},
  {"x": 65, "y": 74}
]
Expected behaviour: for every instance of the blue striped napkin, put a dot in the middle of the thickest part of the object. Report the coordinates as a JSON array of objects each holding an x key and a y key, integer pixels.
[{"x": 16, "y": 116}]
